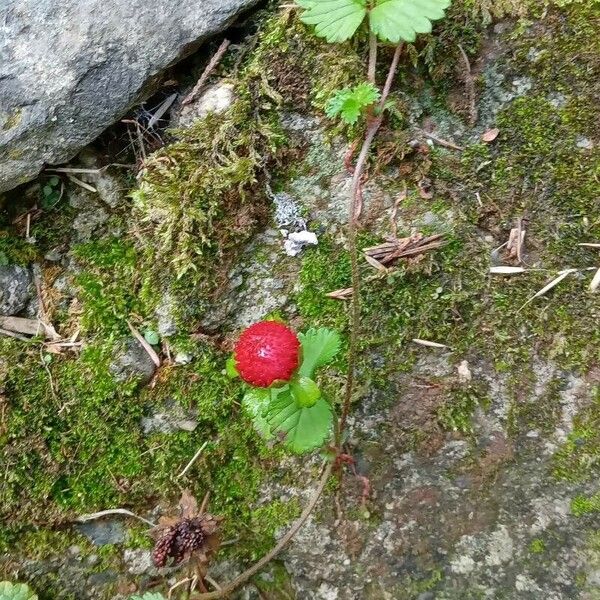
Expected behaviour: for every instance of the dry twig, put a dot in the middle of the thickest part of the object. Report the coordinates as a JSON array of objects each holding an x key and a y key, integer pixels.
[
  {"x": 210, "y": 67},
  {"x": 228, "y": 588},
  {"x": 470, "y": 87},
  {"x": 408, "y": 247}
]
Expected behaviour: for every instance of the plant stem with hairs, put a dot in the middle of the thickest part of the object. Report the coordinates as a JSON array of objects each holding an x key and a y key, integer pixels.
[{"x": 355, "y": 192}]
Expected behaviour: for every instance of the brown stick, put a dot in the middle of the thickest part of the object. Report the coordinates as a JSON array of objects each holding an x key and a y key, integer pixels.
[
  {"x": 256, "y": 567},
  {"x": 372, "y": 130},
  {"x": 210, "y": 67},
  {"x": 470, "y": 85}
]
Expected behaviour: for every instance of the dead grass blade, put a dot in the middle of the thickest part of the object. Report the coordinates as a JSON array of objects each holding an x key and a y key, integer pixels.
[
  {"x": 112, "y": 511},
  {"x": 428, "y": 344},
  {"x": 83, "y": 184},
  {"x": 595, "y": 281},
  {"x": 586, "y": 245},
  {"x": 549, "y": 286},
  {"x": 210, "y": 67},
  {"x": 504, "y": 270},
  {"x": 145, "y": 345},
  {"x": 375, "y": 264}
]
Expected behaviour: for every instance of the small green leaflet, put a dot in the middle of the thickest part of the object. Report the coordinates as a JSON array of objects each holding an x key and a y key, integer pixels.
[
  {"x": 349, "y": 102},
  {"x": 395, "y": 20},
  {"x": 255, "y": 404},
  {"x": 390, "y": 20},
  {"x": 148, "y": 596},
  {"x": 302, "y": 428},
  {"x": 230, "y": 368},
  {"x": 335, "y": 20},
  {"x": 319, "y": 346},
  {"x": 16, "y": 591},
  {"x": 305, "y": 391}
]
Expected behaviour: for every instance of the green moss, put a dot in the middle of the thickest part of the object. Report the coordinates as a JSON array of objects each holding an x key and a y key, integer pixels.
[
  {"x": 457, "y": 411},
  {"x": 579, "y": 457},
  {"x": 325, "y": 269},
  {"x": 585, "y": 505},
  {"x": 537, "y": 546},
  {"x": 109, "y": 283},
  {"x": 266, "y": 520},
  {"x": 13, "y": 119}
]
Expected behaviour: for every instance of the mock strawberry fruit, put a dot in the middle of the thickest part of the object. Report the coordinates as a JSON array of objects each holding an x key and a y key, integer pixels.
[{"x": 266, "y": 352}]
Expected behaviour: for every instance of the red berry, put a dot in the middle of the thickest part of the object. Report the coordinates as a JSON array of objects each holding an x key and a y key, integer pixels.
[{"x": 266, "y": 352}]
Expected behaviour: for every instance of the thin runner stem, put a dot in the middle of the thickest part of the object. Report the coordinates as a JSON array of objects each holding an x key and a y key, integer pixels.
[
  {"x": 370, "y": 134},
  {"x": 256, "y": 567}
]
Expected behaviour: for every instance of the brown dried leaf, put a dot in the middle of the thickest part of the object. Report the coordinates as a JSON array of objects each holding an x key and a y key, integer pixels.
[
  {"x": 490, "y": 135},
  {"x": 188, "y": 505}
]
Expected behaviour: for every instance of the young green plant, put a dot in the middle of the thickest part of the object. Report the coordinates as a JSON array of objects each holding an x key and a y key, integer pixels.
[{"x": 283, "y": 400}]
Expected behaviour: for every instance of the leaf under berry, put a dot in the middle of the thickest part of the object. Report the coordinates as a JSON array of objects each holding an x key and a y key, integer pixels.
[
  {"x": 255, "y": 403},
  {"x": 319, "y": 346},
  {"x": 302, "y": 428},
  {"x": 305, "y": 391}
]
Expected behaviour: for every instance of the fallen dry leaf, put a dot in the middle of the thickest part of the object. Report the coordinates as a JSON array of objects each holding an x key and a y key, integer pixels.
[
  {"x": 595, "y": 281},
  {"x": 490, "y": 135}
]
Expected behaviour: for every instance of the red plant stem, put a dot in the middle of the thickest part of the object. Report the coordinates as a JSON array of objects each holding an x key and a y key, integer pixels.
[
  {"x": 370, "y": 134},
  {"x": 372, "y": 57}
]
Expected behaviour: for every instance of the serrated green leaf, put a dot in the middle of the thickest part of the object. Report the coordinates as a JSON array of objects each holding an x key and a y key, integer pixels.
[
  {"x": 255, "y": 403},
  {"x": 302, "y": 428},
  {"x": 305, "y": 391},
  {"x": 319, "y": 346},
  {"x": 335, "y": 20},
  {"x": 395, "y": 20},
  {"x": 350, "y": 102},
  {"x": 16, "y": 591}
]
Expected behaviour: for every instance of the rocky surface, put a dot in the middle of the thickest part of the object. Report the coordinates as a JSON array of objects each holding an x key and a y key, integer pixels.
[
  {"x": 67, "y": 72},
  {"x": 474, "y": 471},
  {"x": 133, "y": 362},
  {"x": 16, "y": 285}
]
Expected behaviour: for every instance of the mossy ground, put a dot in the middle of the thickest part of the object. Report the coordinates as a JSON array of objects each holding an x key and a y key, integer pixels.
[{"x": 70, "y": 438}]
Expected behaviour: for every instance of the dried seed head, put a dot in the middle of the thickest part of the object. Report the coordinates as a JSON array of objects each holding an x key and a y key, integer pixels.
[{"x": 179, "y": 541}]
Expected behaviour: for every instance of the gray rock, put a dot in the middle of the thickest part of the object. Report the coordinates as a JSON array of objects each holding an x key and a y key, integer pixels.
[
  {"x": 16, "y": 288},
  {"x": 133, "y": 362},
  {"x": 103, "y": 533},
  {"x": 216, "y": 99},
  {"x": 171, "y": 418},
  {"x": 68, "y": 70}
]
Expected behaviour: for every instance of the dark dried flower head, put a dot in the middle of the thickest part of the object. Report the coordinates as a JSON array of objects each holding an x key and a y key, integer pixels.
[{"x": 183, "y": 538}]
